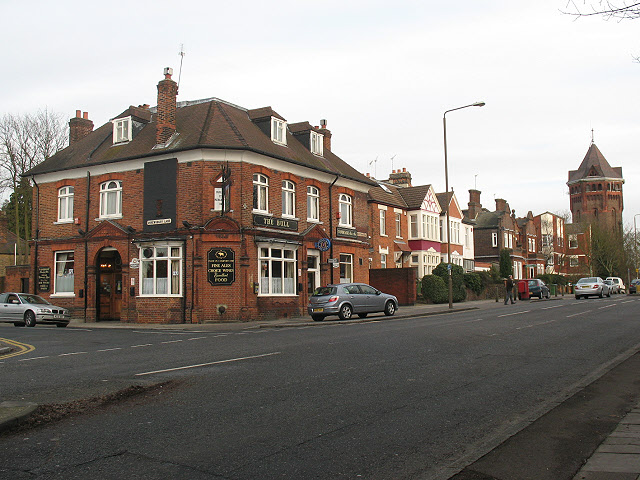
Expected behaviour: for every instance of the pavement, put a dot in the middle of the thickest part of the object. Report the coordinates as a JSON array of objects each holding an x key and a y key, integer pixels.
[{"x": 616, "y": 458}]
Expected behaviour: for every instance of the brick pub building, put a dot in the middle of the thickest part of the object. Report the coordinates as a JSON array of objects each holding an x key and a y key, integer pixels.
[{"x": 195, "y": 212}]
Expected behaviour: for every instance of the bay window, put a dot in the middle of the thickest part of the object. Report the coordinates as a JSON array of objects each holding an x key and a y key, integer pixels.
[{"x": 161, "y": 270}]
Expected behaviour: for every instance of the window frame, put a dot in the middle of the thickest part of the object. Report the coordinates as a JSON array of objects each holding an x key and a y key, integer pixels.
[
  {"x": 346, "y": 263},
  {"x": 68, "y": 276},
  {"x": 105, "y": 195},
  {"x": 288, "y": 199},
  {"x": 260, "y": 184},
  {"x": 316, "y": 143},
  {"x": 313, "y": 203},
  {"x": 65, "y": 195},
  {"x": 383, "y": 222},
  {"x": 345, "y": 203},
  {"x": 122, "y": 128},
  {"x": 174, "y": 263},
  {"x": 278, "y": 131},
  {"x": 288, "y": 265},
  {"x": 398, "y": 225}
]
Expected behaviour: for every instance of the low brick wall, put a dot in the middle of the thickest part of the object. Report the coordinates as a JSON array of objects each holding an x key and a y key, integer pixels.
[{"x": 401, "y": 282}]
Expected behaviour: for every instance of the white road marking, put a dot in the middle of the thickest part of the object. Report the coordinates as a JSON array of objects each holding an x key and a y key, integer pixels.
[
  {"x": 172, "y": 341},
  {"x": 143, "y": 345},
  {"x": 555, "y": 306},
  {"x": 32, "y": 358},
  {"x": 109, "y": 349},
  {"x": 607, "y": 306},
  {"x": 72, "y": 353},
  {"x": 516, "y": 313},
  {"x": 196, "y": 338},
  {"x": 579, "y": 313},
  {"x": 207, "y": 364}
]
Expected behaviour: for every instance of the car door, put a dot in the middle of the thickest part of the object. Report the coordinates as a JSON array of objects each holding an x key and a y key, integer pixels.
[
  {"x": 355, "y": 298},
  {"x": 12, "y": 309},
  {"x": 372, "y": 301}
]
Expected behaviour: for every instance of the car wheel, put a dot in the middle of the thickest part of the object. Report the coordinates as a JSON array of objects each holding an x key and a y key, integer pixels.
[
  {"x": 390, "y": 308},
  {"x": 600, "y": 295},
  {"x": 609, "y": 293},
  {"x": 317, "y": 318},
  {"x": 345, "y": 312},
  {"x": 363, "y": 315},
  {"x": 30, "y": 319},
  {"x": 577, "y": 297},
  {"x": 61, "y": 325}
]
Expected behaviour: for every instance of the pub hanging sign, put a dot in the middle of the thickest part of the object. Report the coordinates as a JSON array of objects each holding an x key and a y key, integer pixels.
[{"x": 221, "y": 266}]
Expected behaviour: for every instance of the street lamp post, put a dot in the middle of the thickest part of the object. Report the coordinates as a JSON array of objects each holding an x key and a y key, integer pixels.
[
  {"x": 635, "y": 242},
  {"x": 446, "y": 182}
]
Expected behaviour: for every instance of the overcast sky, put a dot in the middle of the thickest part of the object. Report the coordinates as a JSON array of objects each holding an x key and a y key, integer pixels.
[{"x": 382, "y": 74}]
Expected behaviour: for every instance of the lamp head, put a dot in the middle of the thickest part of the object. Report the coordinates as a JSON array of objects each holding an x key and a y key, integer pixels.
[{"x": 479, "y": 104}]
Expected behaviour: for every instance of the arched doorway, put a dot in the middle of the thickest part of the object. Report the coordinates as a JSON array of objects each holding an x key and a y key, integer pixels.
[{"x": 109, "y": 284}]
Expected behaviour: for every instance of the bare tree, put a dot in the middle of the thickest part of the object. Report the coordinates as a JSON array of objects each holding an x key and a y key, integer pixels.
[
  {"x": 608, "y": 9},
  {"x": 621, "y": 10},
  {"x": 25, "y": 141}
]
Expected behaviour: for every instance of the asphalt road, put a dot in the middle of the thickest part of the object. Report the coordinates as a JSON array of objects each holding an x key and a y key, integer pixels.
[{"x": 397, "y": 398}]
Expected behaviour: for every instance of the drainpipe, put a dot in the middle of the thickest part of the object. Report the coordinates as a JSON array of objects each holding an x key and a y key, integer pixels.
[
  {"x": 331, "y": 220},
  {"x": 35, "y": 241},
  {"x": 86, "y": 246}
]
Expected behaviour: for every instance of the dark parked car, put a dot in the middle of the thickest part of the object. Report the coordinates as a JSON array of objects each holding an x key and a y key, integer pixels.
[
  {"x": 26, "y": 309},
  {"x": 633, "y": 286},
  {"x": 591, "y": 286},
  {"x": 345, "y": 299},
  {"x": 537, "y": 288}
]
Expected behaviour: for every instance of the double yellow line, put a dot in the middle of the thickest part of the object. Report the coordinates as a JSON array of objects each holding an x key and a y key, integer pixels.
[{"x": 22, "y": 348}]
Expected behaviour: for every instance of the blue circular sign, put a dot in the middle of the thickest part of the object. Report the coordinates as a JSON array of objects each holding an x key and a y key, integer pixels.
[{"x": 323, "y": 244}]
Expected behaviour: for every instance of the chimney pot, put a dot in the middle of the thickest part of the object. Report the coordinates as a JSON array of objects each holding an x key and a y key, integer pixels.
[
  {"x": 78, "y": 113},
  {"x": 85, "y": 115},
  {"x": 404, "y": 169}
]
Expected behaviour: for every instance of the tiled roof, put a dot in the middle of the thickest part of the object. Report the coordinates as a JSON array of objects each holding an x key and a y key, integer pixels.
[
  {"x": 594, "y": 160},
  {"x": 414, "y": 196},
  {"x": 391, "y": 198},
  {"x": 486, "y": 219},
  {"x": 207, "y": 124}
]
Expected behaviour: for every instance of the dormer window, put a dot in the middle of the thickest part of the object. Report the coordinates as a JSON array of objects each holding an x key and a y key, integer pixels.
[
  {"x": 316, "y": 143},
  {"x": 278, "y": 131},
  {"x": 121, "y": 130}
]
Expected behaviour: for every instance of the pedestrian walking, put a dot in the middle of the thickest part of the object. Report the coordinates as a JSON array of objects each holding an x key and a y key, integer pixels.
[{"x": 509, "y": 290}]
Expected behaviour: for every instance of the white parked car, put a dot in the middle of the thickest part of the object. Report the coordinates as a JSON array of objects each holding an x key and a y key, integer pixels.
[
  {"x": 618, "y": 284},
  {"x": 591, "y": 286}
]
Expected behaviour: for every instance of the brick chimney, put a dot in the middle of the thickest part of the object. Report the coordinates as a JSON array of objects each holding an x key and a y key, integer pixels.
[
  {"x": 400, "y": 178},
  {"x": 79, "y": 127},
  {"x": 167, "y": 106},
  {"x": 326, "y": 139},
  {"x": 501, "y": 205},
  {"x": 474, "y": 204}
]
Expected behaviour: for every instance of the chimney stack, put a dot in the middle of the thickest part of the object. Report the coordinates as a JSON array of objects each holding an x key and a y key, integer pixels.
[
  {"x": 79, "y": 127},
  {"x": 400, "y": 178},
  {"x": 501, "y": 205},
  {"x": 167, "y": 106},
  {"x": 326, "y": 138},
  {"x": 474, "y": 204}
]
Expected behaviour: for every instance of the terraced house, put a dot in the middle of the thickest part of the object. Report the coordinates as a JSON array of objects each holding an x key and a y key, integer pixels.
[{"x": 196, "y": 211}]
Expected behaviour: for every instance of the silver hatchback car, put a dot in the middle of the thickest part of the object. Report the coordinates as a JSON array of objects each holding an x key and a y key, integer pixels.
[
  {"x": 26, "y": 309},
  {"x": 345, "y": 299}
]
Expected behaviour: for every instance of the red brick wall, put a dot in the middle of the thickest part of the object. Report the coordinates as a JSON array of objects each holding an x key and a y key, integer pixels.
[{"x": 400, "y": 282}]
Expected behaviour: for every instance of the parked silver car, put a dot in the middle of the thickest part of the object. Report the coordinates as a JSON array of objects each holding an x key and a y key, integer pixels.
[
  {"x": 591, "y": 286},
  {"x": 26, "y": 309},
  {"x": 345, "y": 299}
]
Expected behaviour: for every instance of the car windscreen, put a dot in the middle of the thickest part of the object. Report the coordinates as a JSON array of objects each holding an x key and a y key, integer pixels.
[
  {"x": 34, "y": 299},
  {"x": 533, "y": 283},
  {"x": 323, "y": 291},
  {"x": 588, "y": 280}
]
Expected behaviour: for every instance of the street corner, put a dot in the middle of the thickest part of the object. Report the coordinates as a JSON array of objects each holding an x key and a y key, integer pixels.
[{"x": 13, "y": 412}]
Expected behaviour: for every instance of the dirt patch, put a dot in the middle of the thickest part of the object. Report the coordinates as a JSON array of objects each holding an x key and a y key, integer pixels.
[{"x": 54, "y": 412}]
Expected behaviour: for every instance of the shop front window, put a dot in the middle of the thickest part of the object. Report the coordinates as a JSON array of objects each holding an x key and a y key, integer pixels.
[
  {"x": 277, "y": 270},
  {"x": 161, "y": 270}
]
